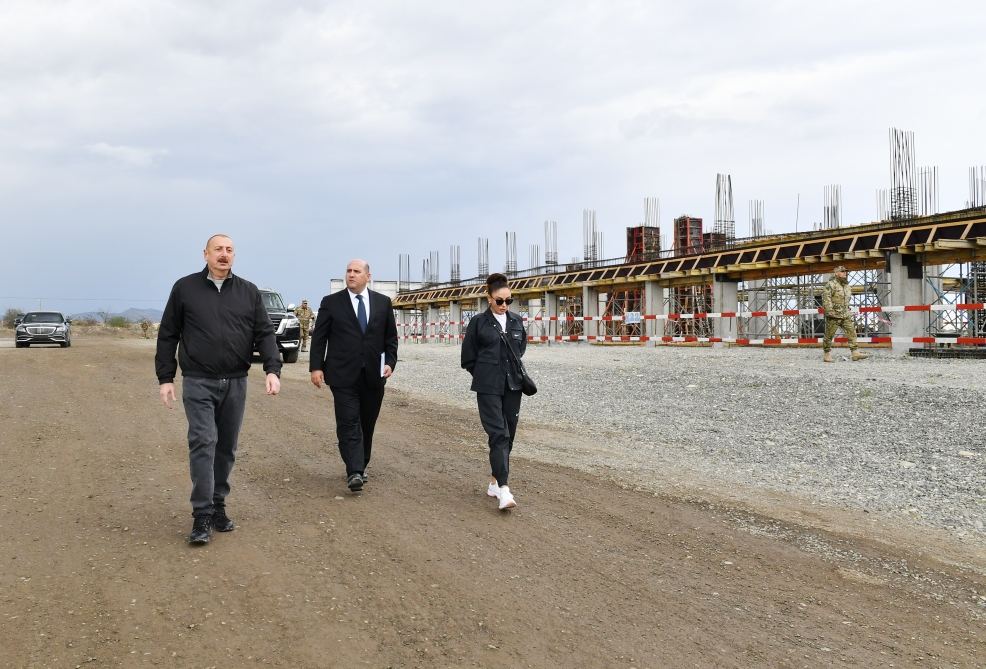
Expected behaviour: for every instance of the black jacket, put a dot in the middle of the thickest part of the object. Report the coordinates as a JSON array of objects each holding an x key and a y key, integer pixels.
[
  {"x": 217, "y": 330},
  {"x": 341, "y": 350},
  {"x": 485, "y": 357}
]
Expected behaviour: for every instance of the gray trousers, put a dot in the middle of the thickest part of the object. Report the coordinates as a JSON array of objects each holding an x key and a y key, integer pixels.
[{"x": 214, "y": 409}]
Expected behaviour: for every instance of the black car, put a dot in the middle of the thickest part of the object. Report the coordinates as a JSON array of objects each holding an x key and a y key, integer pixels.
[
  {"x": 286, "y": 326},
  {"x": 42, "y": 327}
]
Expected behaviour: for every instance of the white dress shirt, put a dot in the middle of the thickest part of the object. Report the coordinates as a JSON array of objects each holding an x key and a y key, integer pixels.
[{"x": 366, "y": 303}]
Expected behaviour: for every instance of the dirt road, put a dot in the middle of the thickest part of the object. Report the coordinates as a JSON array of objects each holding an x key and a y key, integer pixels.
[{"x": 419, "y": 570}]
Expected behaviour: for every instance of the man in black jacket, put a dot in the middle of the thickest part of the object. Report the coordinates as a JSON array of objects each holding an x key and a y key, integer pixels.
[
  {"x": 216, "y": 317},
  {"x": 354, "y": 350}
]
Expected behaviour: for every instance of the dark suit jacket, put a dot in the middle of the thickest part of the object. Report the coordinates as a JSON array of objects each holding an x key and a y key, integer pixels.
[
  {"x": 341, "y": 350},
  {"x": 485, "y": 357}
]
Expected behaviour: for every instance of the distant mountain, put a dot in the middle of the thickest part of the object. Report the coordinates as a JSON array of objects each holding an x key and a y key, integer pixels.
[
  {"x": 133, "y": 315},
  {"x": 136, "y": 315}
]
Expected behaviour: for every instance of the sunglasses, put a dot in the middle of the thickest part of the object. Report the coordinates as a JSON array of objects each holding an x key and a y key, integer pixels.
[{"x": 500, "y": 300}]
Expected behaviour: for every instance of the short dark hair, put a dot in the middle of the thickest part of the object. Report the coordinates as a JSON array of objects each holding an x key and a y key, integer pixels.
[
  {"x": 495, "y": 281},
  {"x": 218, "y": 234}
]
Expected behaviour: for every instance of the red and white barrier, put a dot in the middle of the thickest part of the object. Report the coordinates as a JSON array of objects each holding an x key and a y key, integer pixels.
[{"x": 739, "y": 341}]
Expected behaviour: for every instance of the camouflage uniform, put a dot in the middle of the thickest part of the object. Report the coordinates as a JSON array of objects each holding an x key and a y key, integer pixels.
[
  {"x": 145, "y": 325},
  {"x": 836, "y": 296},
  {"x": 304, "y": 315}
]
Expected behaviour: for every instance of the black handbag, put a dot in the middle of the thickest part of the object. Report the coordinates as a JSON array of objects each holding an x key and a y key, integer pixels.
[{"x": 527, "y": 385}]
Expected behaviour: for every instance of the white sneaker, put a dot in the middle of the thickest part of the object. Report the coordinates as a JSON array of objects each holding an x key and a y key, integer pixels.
[
  {"x": 506, "y": 499},
  {"x": 493, "y": 490}
]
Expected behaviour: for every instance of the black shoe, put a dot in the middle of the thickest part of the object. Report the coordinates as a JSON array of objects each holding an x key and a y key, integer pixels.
[
  {"x": 201, "y": 530},
  {"x": 221, "y": 522},
  {"x": 355, "y": 482},
  {"x": 365, "y": 478}
]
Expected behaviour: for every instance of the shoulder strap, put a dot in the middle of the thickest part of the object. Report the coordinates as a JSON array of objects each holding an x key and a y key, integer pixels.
[{"x": 510, "y": 348}]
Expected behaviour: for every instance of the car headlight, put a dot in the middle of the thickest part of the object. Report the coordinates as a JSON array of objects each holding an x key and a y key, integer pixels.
[
  {"x": 59, "y": 328},
  {"x": 291, "y": 322}
]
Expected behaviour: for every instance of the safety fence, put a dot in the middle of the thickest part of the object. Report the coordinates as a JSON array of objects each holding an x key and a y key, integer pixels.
[{"x": 441, "y": 331}]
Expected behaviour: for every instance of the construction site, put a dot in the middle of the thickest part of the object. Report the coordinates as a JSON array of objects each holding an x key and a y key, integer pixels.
[{"x": 918, "y": 276}]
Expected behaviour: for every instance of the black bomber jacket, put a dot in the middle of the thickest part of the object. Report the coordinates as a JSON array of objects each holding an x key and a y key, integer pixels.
[{"x": 214, "y": 331}]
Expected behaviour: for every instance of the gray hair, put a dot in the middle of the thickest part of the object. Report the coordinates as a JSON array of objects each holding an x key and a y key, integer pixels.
[{"x": 218, "y": 234}]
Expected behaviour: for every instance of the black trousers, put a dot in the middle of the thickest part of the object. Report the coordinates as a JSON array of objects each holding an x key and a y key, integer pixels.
[
  {"x": 499, "y": 414},
  {"x": 357, "y": 408}
]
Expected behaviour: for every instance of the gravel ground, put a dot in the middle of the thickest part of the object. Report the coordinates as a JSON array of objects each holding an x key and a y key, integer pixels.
[{"x": 890, "y": 435}]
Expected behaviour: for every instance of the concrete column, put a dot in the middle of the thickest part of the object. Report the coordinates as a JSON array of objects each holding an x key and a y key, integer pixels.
[
  {"x": 653, "y": 305},
  {"x": 724, "y": 298},
  {"x": 535, "y": 328},
  {"x": 907, "y": 286},
  {"x": 455, "y": 315},
  {"x": 590, "y": 307},
  {"x": 550, "y": 309},
  {"x": 400, "y": 315},
  {"x": 431, "y": 318}
]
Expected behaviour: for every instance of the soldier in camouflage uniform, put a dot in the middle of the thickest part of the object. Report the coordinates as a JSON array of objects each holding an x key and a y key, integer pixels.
[
  {"x": 304, "y": 314},
  {"x": 145, "y": 326},
  {"x": 836, "y": 297}
]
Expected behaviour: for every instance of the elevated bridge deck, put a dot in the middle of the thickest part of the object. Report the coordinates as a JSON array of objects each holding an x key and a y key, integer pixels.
[{"x": 953, "y": 237}]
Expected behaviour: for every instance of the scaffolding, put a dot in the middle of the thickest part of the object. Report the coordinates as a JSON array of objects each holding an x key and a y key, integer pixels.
[
  {"x": 470, "y": 309},
  {"x": 951, "y": 285},
  {"x": 778, "y": 294},
  {"x": 444, "y": 332},
  {"x": 975, "y": 293},
  {"x": 870, "y": 288},
  {"x": 570, "y": 306},
  {"x": 412, "y": 328},
  {"x": 627, "y": 307},
  {"x": 689, "y": 300}
]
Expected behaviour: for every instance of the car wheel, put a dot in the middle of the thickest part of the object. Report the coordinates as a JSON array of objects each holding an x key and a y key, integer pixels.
[
  {"x": 64, "y": 344},
  {"x": 290, "y": 356},
  {"x": 18, "y": 344}
]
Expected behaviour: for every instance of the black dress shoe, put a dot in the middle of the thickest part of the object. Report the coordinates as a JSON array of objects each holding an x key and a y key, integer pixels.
[
  {"x": 221, "y": 522},
  {"x": 355, "y": 482},
  {"x": 201, "y": 530}
]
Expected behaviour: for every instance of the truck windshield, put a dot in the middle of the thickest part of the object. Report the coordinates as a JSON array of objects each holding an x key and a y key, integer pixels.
[{"x": 273, "y": 301}]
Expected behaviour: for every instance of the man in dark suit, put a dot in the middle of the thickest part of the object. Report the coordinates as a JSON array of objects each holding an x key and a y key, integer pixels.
[{"x": 354, "y": 350}]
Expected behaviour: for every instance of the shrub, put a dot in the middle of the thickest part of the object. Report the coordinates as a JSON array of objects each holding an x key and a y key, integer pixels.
[
  {"x": 118, "y": 322},
  {"x": 10, "y": 316}
]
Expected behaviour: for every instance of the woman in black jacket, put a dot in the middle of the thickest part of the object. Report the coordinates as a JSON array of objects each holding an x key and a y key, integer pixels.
[{"x": 495, "y": 379}]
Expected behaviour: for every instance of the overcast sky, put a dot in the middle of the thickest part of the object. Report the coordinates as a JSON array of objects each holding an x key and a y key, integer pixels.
[{"x": 313, "y": 132}]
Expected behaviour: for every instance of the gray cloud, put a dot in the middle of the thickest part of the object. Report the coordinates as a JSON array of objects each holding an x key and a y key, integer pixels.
[{"x": 328, "y": 130}]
